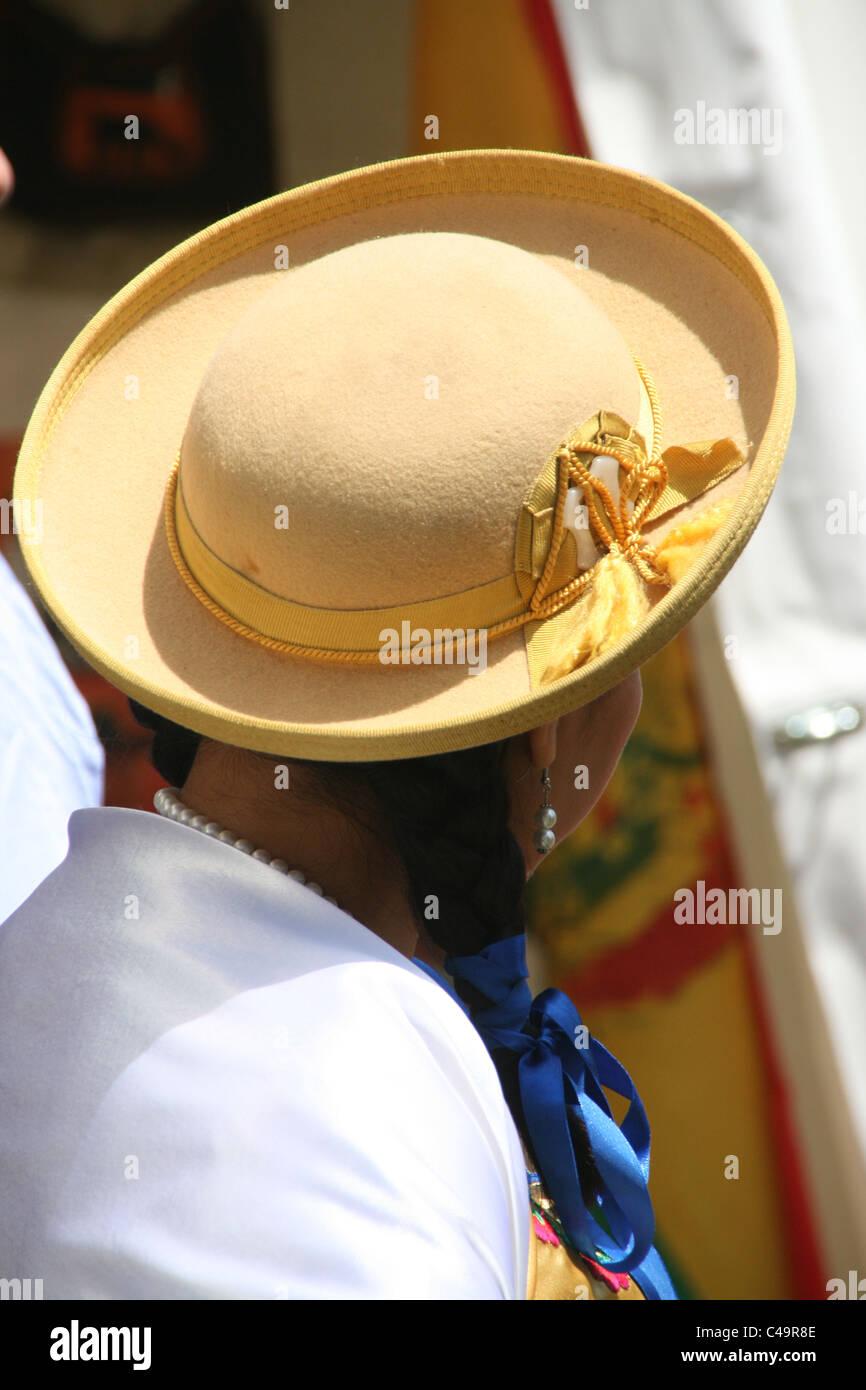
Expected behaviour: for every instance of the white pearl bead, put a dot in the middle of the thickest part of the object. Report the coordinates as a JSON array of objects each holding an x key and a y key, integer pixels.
[
  {"x": 588, "y": 553},
  {"x": 571, "y": 519},
  {"x": 575, "y": 518},
  {"x": 168, "y": 804},
  {"x": 606, "y": 469}
]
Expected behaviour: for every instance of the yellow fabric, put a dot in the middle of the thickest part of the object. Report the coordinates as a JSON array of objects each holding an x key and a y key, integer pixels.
[
  {"x": 612, "y": 598},
  {"x": 694, "y": 469},
  {"x": 617, "y": 602},
  {"x": 461, "y": 53},
  {"x": 545, "y": 578},
  {"x": 619, "y": 599},
  {"x": 725, "y": 1227},
  {"x": 555, "y": 1274},
  {"x": 677, "y": 551}
]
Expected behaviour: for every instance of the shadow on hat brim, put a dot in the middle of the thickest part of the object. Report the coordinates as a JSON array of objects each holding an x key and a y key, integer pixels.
[{"x": 690, "y": 298}]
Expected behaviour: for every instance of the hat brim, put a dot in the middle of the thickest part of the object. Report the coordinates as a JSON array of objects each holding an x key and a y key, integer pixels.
[{"x": 688, "y": 295}]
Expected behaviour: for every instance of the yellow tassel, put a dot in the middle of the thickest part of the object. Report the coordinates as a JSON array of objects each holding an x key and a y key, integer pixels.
[
  {"x": 615, "y": 604},
  {"x": 618, "y": 599},
  {"x": 678, "y": 551}
]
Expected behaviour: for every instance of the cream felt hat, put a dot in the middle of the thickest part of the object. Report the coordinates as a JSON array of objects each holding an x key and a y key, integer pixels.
[{"x": 412, "y": 458}]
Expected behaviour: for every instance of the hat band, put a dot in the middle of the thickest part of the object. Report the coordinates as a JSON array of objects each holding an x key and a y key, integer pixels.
[
  {"x": 351, "y": 633},
  {"x": 546, "y": 575}
]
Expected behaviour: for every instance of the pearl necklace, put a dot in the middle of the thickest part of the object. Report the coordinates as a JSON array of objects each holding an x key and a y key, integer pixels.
[{"x": 168, "y": 804}]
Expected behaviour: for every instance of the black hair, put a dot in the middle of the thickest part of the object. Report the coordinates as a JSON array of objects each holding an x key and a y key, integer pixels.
[
  {"x": 446, "y": 816},
  {"x": 173, "y": 749}
]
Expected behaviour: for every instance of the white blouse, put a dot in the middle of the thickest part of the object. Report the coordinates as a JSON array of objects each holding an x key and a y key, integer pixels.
[
  {"x": 51, "y": 761},
  {"x": 214, "y": 1084}
]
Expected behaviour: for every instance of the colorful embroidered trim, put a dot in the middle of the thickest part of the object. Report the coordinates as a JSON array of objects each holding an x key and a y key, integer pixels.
[{"x": 548, "y": 1228}]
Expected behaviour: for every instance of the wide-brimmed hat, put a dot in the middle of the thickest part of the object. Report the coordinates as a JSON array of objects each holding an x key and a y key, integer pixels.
[{"x": 412, "y": 458}]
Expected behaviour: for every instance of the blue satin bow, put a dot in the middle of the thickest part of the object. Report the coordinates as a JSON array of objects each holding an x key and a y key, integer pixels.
[{"x": 562, "y": 1070}]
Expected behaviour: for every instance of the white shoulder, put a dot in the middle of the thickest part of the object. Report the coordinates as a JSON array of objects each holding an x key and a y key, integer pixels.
[{"x": 339, "y": 1135}]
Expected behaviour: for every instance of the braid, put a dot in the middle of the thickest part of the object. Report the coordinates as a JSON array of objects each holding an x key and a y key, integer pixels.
[
  {"x": 447, "y": 816},
  {"x": 174, "y": 748}
]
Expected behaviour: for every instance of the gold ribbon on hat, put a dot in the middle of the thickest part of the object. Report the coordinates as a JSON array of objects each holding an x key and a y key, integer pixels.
[{"x": 545, "y": 581}]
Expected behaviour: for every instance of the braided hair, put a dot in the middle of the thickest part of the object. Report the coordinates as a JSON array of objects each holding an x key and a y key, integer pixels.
[
  {"x": 446, "y": 816},
  {"x": 173, "y": 749}
]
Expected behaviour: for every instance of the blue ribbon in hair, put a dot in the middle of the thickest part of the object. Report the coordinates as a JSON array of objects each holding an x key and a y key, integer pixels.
[{"x": 561, "y": 1072}]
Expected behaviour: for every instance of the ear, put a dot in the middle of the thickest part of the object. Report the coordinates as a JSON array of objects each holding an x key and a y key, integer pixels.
[{"x": 542, "y": 744}]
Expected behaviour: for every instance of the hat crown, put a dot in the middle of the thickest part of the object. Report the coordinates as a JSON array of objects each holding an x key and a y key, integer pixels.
[{"x": 365, "y": 433}]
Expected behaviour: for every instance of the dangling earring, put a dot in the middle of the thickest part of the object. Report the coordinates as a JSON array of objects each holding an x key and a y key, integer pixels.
[{"x": 545, "y": 819}]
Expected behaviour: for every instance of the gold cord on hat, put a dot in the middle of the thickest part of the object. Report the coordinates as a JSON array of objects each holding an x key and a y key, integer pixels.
[
  {"x": 616, "y": 584},
  {"x": 612, "y": 524}
]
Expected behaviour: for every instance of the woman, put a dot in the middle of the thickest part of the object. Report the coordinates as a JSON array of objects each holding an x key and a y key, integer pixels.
[{"x": 373, "y": 497}]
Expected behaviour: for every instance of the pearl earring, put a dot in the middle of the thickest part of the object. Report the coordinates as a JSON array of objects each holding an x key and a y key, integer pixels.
[{"x": 545, "y": 819}]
